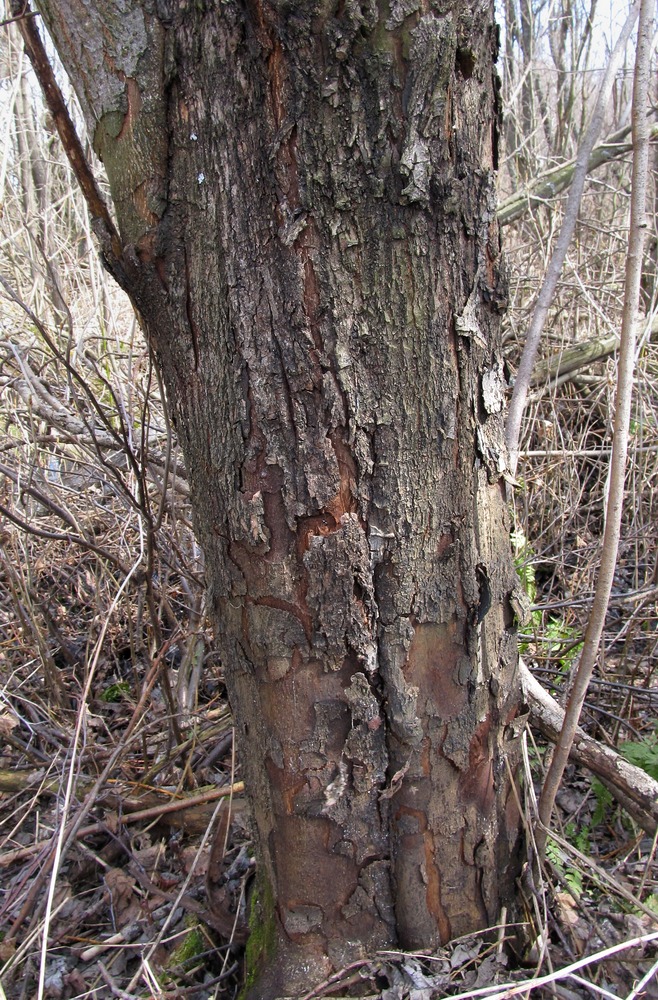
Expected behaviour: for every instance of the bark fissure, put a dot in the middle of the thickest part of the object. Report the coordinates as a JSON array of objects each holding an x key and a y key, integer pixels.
[{"x": 312, "y": 245}]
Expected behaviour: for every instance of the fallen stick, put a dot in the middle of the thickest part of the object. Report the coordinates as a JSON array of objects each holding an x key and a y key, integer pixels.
[
  {"x": 632, "y": 787},
  {"x": 152, "y": 813},
  {"x": 166, "y": 808}
]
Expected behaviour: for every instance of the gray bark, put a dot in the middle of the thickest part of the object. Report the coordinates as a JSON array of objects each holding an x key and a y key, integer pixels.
[{"x": 305, "y": 199}]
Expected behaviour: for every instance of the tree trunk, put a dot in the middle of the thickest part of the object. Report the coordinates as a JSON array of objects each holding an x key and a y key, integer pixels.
[{"x": 305, "y": 197}]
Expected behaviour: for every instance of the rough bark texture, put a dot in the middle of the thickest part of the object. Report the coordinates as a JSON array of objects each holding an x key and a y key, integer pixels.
[{"x": 305, "y": 197}]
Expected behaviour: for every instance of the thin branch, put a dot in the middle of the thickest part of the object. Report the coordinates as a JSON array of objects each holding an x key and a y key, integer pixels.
[
  {"x": 558, "y": 179},
  {"x": 57, "y": 106},
  {"x": 59, "y": 536},
  {"x": 611, "y": 535},
  {"x": 19, "y": 17},
  {"x": 547, "y": 292}
]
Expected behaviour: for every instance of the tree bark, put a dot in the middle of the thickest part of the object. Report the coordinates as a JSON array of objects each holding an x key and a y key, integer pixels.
[{"x": 305, "y": 200}]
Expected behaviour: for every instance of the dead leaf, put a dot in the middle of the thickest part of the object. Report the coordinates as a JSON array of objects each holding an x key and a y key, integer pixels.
[
  {"x": 8, "y": 722},
  {"x": 125, "y": 903},
  {"x": 567, "y": 907}
]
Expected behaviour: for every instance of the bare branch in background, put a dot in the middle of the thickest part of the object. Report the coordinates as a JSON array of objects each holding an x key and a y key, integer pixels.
[
  {"x": 545, "y": 297},
  {"x": 611, "y": 536},
  {"x": 73, "y": 147},
  {"x": 554, "y": 181}
]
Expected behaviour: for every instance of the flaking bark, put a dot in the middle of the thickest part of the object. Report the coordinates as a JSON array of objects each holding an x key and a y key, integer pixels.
[{"x": 311, "y": 240}]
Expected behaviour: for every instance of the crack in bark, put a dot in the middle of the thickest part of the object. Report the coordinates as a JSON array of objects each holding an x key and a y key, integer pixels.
[{"x": 329, "y": 398}]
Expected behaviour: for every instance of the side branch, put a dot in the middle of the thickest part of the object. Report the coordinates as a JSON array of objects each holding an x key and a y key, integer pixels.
[
  {"x": 72, "y": 146},
  {"x": 558, "y": 179},
  {"x": 633, "y": 788}
]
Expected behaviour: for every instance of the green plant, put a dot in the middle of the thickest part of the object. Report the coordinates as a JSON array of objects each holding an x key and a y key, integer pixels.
[
  {"x": 559, "y": 639},
  {"x": 562, "y": 643},
  {"x": 643, "y": 753},
  {"x": 560, "y": 861},
  {"x": 523, "y": 556},
  {"x": 116, "y": 692},
  {"x": 604, "y": 800},
  {"x": 185, "y": 956}
]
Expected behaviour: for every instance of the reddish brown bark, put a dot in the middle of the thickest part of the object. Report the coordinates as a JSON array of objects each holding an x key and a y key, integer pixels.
[{"x": 305, "y": 198}]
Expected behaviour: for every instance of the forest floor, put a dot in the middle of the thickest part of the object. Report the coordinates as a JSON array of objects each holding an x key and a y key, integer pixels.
[{"x": 124, "y": 841}]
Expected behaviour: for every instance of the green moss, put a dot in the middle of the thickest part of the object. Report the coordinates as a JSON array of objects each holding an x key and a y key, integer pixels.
[
  {"x": 382, "y": 39},
  {"x": 183, "y": 957},
  {"x": 261, "y": 944}
]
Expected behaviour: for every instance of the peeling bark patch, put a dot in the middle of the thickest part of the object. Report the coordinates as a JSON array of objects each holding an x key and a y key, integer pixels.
[
  {"x": 275, "y": 514},
  {"x": 134, "y": 99},
  {"x": 278, "y": 667},
  {"x": 444, "y": 544},
  {"x": 437, "y": 666},
  {"x": 493, "y": 388},
  {"x": 478, "y": 778},
  {"x": 348, "y": 475},
  {"x": 309, "y": 245},
  {"x": 433, "y": 894},
  {"x": 371, "y": 900},
  {"x": 314, "y": 526},
  {"x": 484, "y": 586},
  {"x": 275, "y": 628},
  {"x": 276, "y": 68},
  {"x": 248, "y": 522},
  {"x": 363, "y": 704},
  {"x": 308, "y": 872},
  {"x": 339, "y": 594},
  {"x": 419, "y": 910},
  {"x": 465, "y": 62},
  {"x": 301, "y": 918}
]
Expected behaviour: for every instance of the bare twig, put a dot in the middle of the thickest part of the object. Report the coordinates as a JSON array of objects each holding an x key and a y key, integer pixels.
[
  {"x": 622, "y": 420},
  {"x": 65, "y": 127},
  {"x": 545, "y": 297}
]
